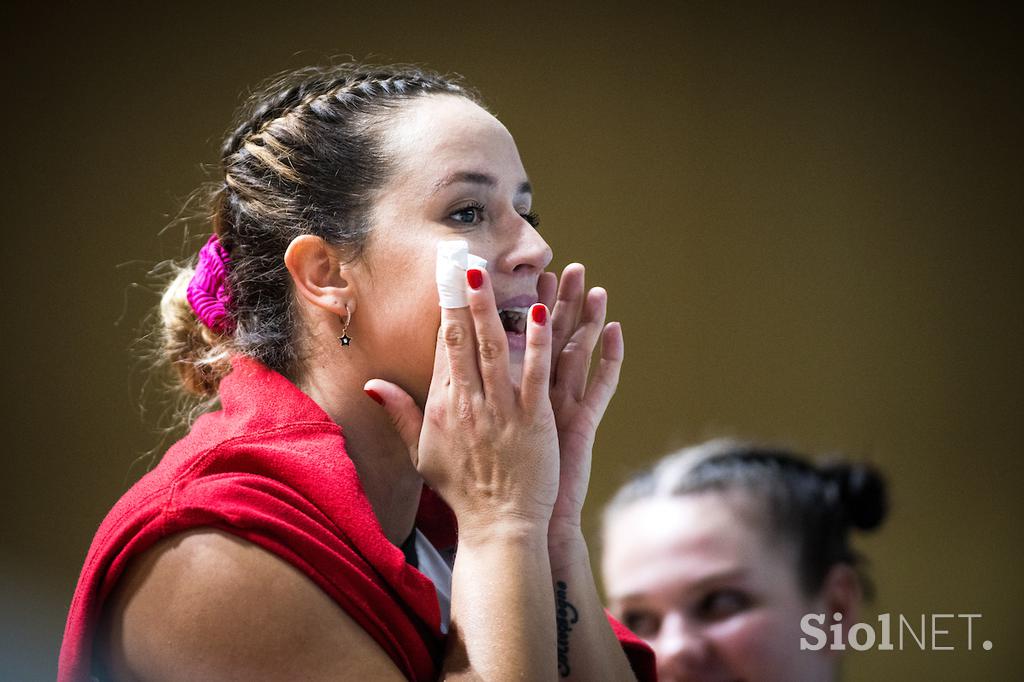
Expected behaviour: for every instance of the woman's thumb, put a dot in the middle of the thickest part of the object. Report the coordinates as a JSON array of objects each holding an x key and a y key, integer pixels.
[{"x": 405, "y": 415}]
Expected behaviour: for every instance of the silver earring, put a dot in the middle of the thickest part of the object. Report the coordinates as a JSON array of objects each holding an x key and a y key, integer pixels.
[{"x": 345, "y": 338}]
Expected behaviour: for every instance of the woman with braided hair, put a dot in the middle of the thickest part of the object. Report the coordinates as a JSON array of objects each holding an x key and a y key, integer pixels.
[
  {"x": 717, "y": 553},
  {"x": 378, "y": 488}
]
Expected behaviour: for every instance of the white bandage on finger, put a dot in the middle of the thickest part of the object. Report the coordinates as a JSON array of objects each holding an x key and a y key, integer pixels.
[{"x": 453, "y": 259}]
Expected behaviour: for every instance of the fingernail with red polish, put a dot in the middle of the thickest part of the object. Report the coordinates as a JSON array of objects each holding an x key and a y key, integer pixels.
[
  {"x": 373, "y": 394},
  {"x": 475, "y": 278},
  {"x": 539, "y": 313}
]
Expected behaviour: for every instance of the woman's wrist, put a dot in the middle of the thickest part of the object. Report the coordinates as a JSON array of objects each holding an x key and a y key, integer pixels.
[
  {"x": 504, "y": 529},
  {"x": 566, "y": 545},
  {"x": 565, "y": 527}
]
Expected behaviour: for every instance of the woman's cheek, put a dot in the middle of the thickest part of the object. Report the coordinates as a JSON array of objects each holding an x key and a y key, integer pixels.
[
  {"x": 402, "y": 328},
  {"x": 748, "y": 643},
  {"x": 410, "y": 343}
]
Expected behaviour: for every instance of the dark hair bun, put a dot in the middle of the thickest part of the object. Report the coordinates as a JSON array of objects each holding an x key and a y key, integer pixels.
[{"x": 863, "y": 494}]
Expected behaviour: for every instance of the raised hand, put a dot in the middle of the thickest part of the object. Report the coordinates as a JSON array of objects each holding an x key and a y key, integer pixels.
[
  {"x": 490, "y": 449},
  {"x": 487, "y": 446}
]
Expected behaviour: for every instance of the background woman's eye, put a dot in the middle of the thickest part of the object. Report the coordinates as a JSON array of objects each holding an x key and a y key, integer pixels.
[
  {"x": 722, "y": 604},
  {"x": 469, "y": 215},
  {"x": 644, "y": 624},
  {"x": 531, "y": 218}
]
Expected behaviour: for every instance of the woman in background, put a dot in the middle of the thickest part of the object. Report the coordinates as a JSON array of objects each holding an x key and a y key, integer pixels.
[
  {"x": 289, "y": 535},
  {"x": 715, "y": 555}
]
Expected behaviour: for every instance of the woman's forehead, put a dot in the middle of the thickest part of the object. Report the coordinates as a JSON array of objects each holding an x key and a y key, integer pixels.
[
  {"x": 437, "y": 136},
  {"x": 692, "y": 523},
  {"x": 686, "y": 540}
]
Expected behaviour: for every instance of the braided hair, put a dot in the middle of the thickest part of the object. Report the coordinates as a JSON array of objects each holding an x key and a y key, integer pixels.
[
  {"x": 303, "y": 157},
  {"x": 812, "y": 506}
]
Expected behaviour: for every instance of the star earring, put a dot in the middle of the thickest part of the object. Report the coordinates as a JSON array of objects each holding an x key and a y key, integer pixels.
[{"x": 345, "y": 339}]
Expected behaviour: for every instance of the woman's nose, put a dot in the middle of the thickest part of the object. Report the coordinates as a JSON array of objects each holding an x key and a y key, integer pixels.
[
  {"x": 681, "y": 650},
  {"x": 526, "y": 252}
]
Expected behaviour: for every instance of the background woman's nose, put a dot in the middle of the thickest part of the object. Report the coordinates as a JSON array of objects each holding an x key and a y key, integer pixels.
[{"x": 680, "y": 648}]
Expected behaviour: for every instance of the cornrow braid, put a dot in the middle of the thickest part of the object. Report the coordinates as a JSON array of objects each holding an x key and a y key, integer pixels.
[
  {"x": 361, "y": 82},
  {"x": 303, "y": 157}
]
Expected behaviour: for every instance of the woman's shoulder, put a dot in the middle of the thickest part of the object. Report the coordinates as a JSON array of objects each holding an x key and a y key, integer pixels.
[{"x": 206, "y": 604}]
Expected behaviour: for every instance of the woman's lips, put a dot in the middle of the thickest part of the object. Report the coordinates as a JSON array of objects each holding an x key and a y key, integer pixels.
[
  {"x": 520, "y": 305},
  {"x": 523, "y": 301}
]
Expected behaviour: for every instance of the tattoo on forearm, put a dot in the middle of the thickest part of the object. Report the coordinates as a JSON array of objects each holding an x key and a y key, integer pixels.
[{"x": 565, "y": 617}]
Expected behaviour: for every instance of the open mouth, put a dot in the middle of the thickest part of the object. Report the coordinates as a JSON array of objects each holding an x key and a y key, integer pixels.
[{"x": 513, "y": 319}]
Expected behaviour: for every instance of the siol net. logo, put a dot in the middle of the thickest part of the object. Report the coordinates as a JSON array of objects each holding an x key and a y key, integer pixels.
[{"x": 931, "y": 632}]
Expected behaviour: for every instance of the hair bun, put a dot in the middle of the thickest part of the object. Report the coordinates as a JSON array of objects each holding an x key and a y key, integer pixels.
[{"x": 863, "y": 493}]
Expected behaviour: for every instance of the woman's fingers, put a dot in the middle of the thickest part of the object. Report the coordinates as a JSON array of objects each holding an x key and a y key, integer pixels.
[
  {"x": 491, "y": 342},
  {"x": 537, "y": 360},
  {"x": 565, "y": 316},
  {"x": 459, "y": 341},
  {"x": 574, "y": 360},
  {"x": 606, "y": 377},
  {"x": 405, "y": 415},
  {"x": 439, "y": 380}
]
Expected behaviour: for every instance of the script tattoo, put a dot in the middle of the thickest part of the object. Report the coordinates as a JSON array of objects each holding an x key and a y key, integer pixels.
[{"x": 565, "y": 616}]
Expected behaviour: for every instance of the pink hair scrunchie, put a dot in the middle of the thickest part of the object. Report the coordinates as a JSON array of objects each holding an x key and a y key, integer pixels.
[{"x": 208, "y": 290}]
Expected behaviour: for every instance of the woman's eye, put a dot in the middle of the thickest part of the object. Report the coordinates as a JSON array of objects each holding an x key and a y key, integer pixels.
[
  {"x": 722, "y": 604},
  {"x": 468, "y": 215},
  {"x": 643, "y": 623}
]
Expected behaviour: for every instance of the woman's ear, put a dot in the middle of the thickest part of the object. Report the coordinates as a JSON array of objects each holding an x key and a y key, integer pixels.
[
  {"x": 842, "y": 594},
  {"x": 319, "y": 276}
]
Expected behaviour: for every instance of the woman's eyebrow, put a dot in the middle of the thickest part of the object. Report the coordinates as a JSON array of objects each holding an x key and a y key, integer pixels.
[
  {"x": 692, "y": 586},
  {"x": 718, "y": 577},
  {"x": 477, "y": 178}
]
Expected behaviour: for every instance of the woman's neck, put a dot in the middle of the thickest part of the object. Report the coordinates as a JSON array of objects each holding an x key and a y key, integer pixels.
[{"x": 381, "y": 459}]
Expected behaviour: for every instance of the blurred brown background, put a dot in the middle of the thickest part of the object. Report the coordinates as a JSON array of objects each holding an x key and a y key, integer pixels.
[{"x": 809, "y": 220}]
